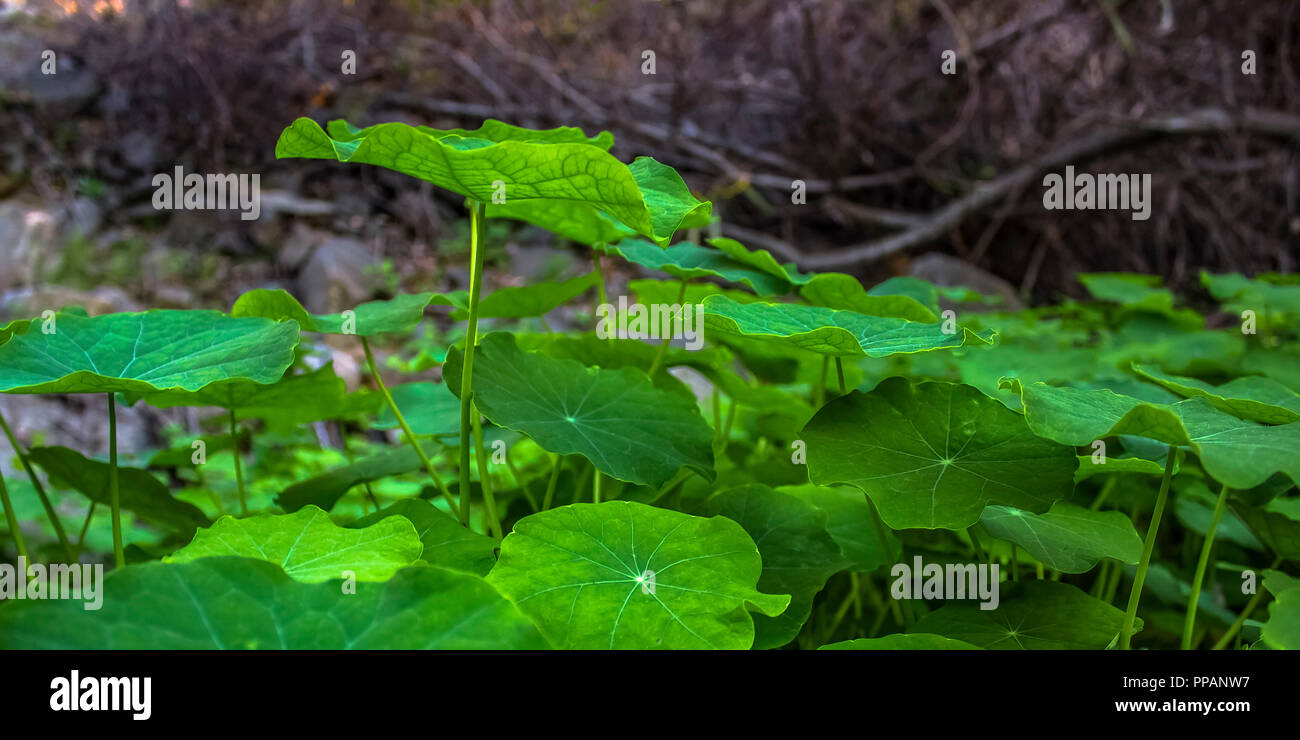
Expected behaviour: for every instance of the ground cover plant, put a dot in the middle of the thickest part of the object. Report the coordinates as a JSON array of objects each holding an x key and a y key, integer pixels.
[{"x": 1127, "y": 463}]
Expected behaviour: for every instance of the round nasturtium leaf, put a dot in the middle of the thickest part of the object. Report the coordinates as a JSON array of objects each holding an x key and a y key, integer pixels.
[
  {"x": 231, "y": 603},
  {"x": 799, "y": 553},
  {"x": 1252, "y": 397},
  {"x": 397, "y": 315},
  {"x": 308, "y": 546},
  {"x": 1068, "y": 538},
  {"x": 145, "y": 352},
  {"x": 689, "y": 261},
  {"x": 531, "y": 170},
  {"x": 1234, "y": 451},
  {"x": 446, "y": 543},
  {"x": 831, "y": 332},
  {"x": 617, "y": 419},
  {"x": 843, "y": 292},
  {"x": 623, "y": 575},
  {"x": 293, "y": 399},
  {"x": 931, "y": 455},
  {"x": 1031, "y": 615}
]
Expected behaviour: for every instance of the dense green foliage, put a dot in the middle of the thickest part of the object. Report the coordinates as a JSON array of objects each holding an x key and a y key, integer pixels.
[{"x": 1130, "y": 468}]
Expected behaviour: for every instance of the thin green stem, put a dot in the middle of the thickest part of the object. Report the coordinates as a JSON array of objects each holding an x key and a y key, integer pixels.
[
  {"x": 819, "y": 394},
  {"x": 1249, "y": 609},
  {"x": 549, "y": 497},
  {"x": 239, "y": 465},
  {"x": 595, "y": 484},
  {"x": 485, "y": 479},
  {"x": 406, "y": 429},
  {"x": 114, "y": 498},
  {"x": 1135, "y": 595},
  {"x": 839, "y": 371},
  {"x": 40, "y": 490},
  {"x": 12, "y": 517},
  {"x": 519, "y": 481},
  {"x": 975, "y": 543},
  {"x": 476, "y": 217},
  {"x": 85, "y": 527},
  {"x": 1193, "y": 601}
]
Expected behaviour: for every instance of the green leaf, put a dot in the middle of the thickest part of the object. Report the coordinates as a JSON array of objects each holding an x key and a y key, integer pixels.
[
  {"x": 851, "y": 524},
  {"x": 537, "y": 299},
  {"x": 138, "y": 491},
  {"x": 528, "y": 167},
  {"x": 1137, "y": 465},
  {"x": 901, "y": 641},
  {"x": 1277, "y": 523},
  {"x": 617, "y": 419},
  {"x": 1237, "y": 452},
  {"x": 844, "y": 292},
  {"x": 1282, "y": 630},
  {"x": 1194, "y": 508},
  {"x": 308, "y": 546},
  {"x": 933, "y": 454},
  {"x": 1068, "y": 538},
  {"x": 430, "y": 408},
  {"x": 1031, "y": 615},
  {"x": 798, "y": 552},
  {"x": 242, "y": 604},
  {"x": 143, "y": 352},
  {"x": 689, "y": 261},
  {"x": 1139, "y": 292},
  {"x": 1251, "y": 397},
  {"x": 326, "y": 489},
  {"x": 446, "y": 543},
  {"x": 17, "y": 326},
  {"x": 830, "y": 332},
  {"x": 583, "y": 572},
  {"x": 397, "y": 315},
  {"x": 294, "y": 399}
]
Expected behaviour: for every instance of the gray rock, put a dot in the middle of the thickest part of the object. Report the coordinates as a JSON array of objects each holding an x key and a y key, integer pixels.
[
  {"x": 944, "y": 270},
  {"x": 28, "y": 239},
  {"x": 340, "y": 274}
]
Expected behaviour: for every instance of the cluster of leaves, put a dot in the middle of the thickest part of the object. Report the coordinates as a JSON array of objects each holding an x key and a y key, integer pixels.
[{"x": 572, "y": 491}]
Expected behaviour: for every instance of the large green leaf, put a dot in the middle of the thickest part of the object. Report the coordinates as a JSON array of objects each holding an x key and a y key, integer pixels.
[
  {"x": 629, "y": 576},
  {"x": 844, "y": 292},
  {"x": 902, "y": 641},
  {"x": 299, "y": 399},
  {"x": 1277, "y": 523},
  {"x": 1237, "y": 452},
  {"x": 1250, "y": 397},
  {"x": 138, "y": 491},
  {"x": 242, "y": 604},
  {"x": 798, "y": 552},
  {"x": 397, "y": 315},
  {"x": 326, "y": 489},
  {"x": 828, "y": 331},
  {"x": 431, "y": 409},
  {"x": 1282, "y": 630},
  {"x": 1031, "y": 615},
  {"x": 617, "y": 419},
  {"x": 689, "y": 261},
  {"x": 1068, "y": 538},
  {"x": 308, "y": 546},
  {"x": 446, "y": 543},
  {"x": 143, "y": 352},
  {"x": 524, "y": 166},
  {"x": 933, "y": 454},
  {"x": 851, "y": 524},
  {"x": 536, "y": 299}
]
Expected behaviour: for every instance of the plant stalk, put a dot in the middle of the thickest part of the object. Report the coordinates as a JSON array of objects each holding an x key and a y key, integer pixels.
[
  {"x": 114, "y": 497},
  {"x": 476, "y": 217},
  {"x": 1135, "y": 595},
  {"x": 485, "y": 480},
  {"x": 40, "y": 490},
  {"x": 549, "y": 497},
  {"x": 406, "y": 429},
  {"x": 663, "y": 348},
  {"x": 239, "y": 465},
  {"x": 1193, "y": 602},
  {"x": 1249, "y": 609},
  {"x": 12, "y": 518}
]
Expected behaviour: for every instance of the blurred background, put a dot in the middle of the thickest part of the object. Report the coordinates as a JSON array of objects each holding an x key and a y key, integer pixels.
[{"x": 905, "y": 169}]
